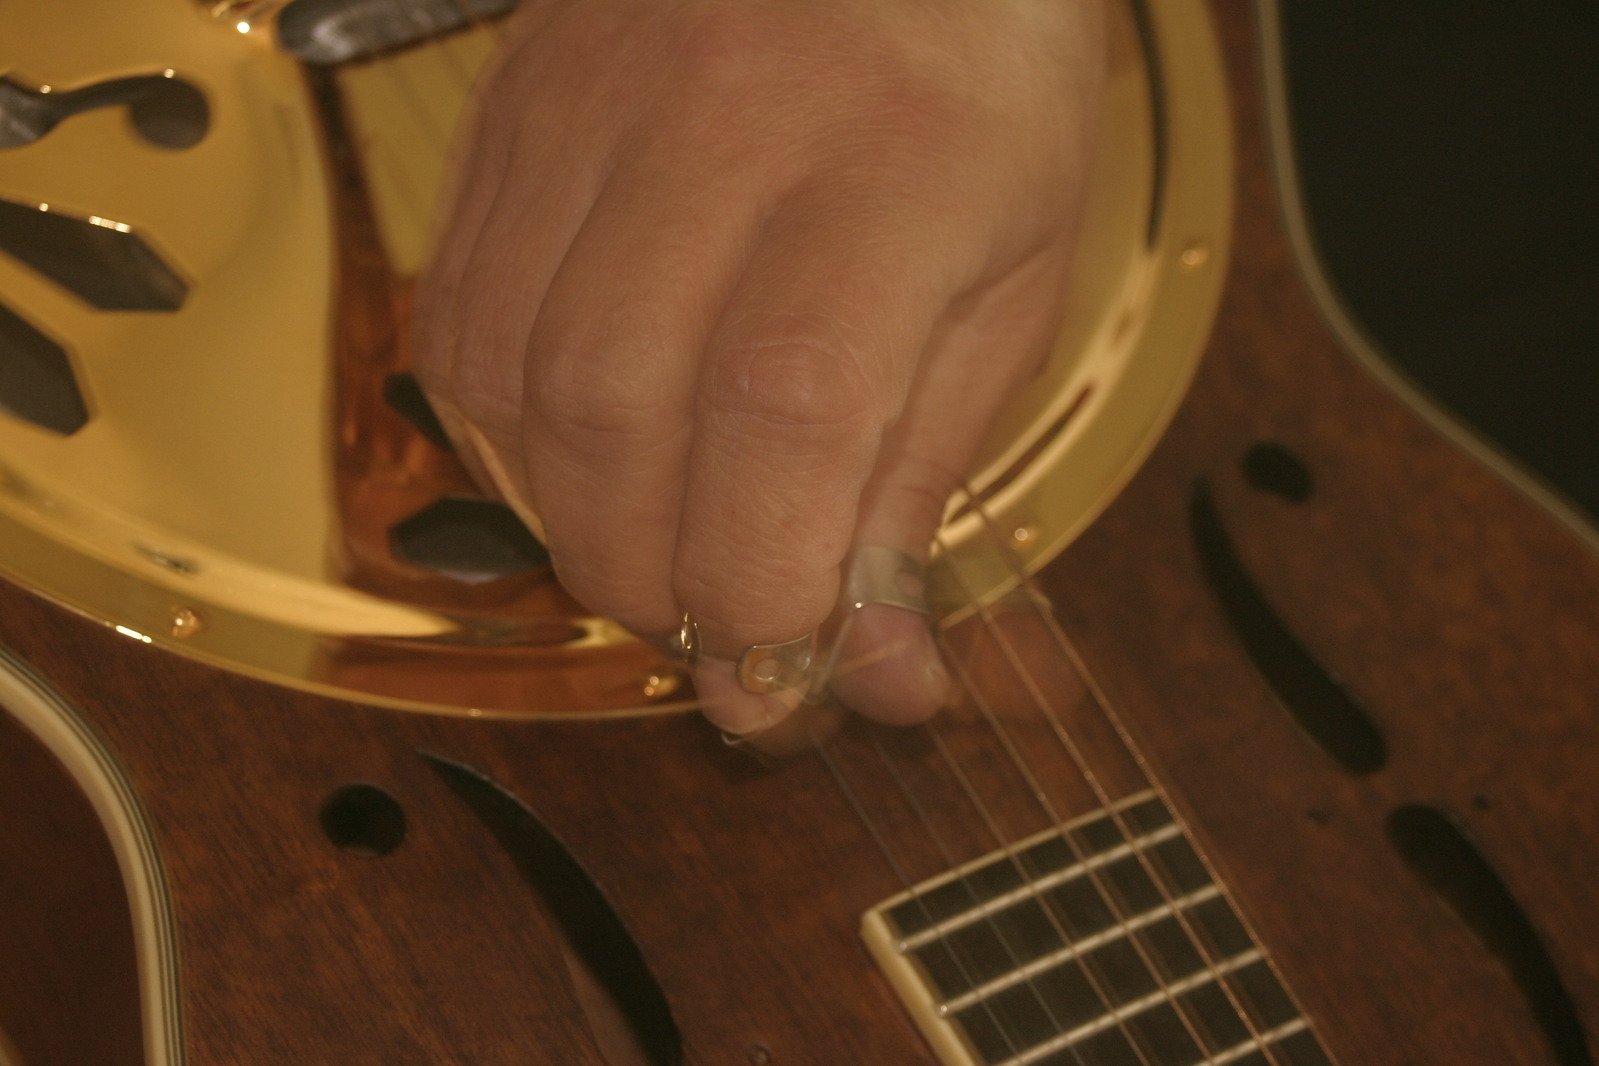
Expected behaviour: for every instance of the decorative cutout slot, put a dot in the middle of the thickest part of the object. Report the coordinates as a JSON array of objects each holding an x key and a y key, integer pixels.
[{"x": 1270, "y": 467}]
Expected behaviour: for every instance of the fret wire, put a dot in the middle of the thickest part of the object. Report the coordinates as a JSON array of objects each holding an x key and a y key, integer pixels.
[
  {"x": 836, "y": 772},
  {"x": 1143, "y": 1003},
  {"x": 1108, "y": 897},
  {"x": 1270, "y": 1036},
  {"x": 1086, "y": 944},
  {"x": 1053, "y": 878},
  {"x": 1016, "y": 963},
  {"x": 1096, "y": 694}
]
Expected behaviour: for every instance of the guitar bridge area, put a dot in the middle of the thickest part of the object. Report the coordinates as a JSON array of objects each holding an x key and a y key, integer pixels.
[{"x": 1100, "y": 943}]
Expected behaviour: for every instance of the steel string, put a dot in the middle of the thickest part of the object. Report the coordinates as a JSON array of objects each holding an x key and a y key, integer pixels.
[
  {"x": 1096, "y": 694},
  {"x": 912, "y": 888},
  {"x": 1117, "y": 907}
]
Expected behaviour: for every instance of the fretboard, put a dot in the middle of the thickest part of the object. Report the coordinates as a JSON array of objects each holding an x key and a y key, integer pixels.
[{"x": 1103, "y": 943}]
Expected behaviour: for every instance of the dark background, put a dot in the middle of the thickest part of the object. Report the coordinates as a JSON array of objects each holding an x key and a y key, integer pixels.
[{"x": 1449, "y": 154}]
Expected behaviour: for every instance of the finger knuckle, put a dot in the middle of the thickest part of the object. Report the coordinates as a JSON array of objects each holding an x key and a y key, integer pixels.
[
  {"x": 586, "y": 401},
  {"x": 911, "y": 112},
  {"x": 719, "y": 41},
  {"x": 793, "y": 387}
]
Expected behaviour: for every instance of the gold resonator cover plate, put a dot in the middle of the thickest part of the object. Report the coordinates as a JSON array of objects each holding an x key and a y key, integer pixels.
[{"x": 213, "y": 498}]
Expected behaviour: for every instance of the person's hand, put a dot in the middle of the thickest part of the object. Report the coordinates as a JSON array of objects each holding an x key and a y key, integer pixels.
[{"x": 729, "y": 286}]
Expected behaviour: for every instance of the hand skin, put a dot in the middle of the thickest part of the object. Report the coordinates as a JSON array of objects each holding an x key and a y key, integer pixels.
[{"x": 727, "y": 286}]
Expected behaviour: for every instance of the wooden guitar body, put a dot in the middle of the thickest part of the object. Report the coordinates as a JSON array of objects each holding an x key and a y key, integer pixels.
[{"x": 1363, "y": 667}]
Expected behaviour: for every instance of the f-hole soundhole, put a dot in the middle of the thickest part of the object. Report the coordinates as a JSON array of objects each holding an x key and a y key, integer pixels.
[
  {"x": 629, "y": 1016},
  {"x": 1446, "y": 860},
  {"x": 1271, "y": 467},
  {"x": 1327, "y": 712}
]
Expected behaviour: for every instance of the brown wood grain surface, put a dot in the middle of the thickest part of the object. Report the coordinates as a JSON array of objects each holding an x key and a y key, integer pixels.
[
  {"x": 1463, "y": 618},
  {"x": 71, "y": 990}
]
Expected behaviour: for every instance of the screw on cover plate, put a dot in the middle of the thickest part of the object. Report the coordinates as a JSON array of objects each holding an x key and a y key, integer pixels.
[
  {"x": 1194, "y": 256},
  {"x": 184, "y": 622},
  {"x": 660, "y": 683}
]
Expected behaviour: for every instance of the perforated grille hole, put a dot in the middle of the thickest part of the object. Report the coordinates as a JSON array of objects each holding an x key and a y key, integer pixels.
[
  {"x": 468, "y": 539},
  {"x": 101, "y": 261},
  {"x": 36, "y": 380}
]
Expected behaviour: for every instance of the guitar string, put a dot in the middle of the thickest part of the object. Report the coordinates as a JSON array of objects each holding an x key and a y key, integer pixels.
[
  {"x": 1093, "y": 975},
  {"x": 463, "y": 72},
  {"x": 910, "y": 887},
  {"x": 464, "y": 79},
  {"x": 914, "y": 890},
  {"x": 1079, "y": 666},
  {"x": 432, "y": 131},
  {"x": 1075, "y": 662},
  {"x": 1108, "y": 895},
  {"x": 1089, "y": 967},
  {"x": 992, "y": 826},
  {"x": 1097, "y": 983},
  {"x": 1149, "y": 861}
]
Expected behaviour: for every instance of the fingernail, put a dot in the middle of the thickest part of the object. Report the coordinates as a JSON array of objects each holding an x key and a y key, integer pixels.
[
  {"x": 732, "y": 709},
  {"x": 809, "y": 726}
]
